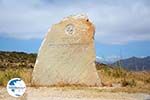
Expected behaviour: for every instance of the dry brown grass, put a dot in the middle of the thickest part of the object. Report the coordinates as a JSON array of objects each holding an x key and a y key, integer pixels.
[
  {"x": 130, "y": 81},
  {"x": 26, "y": 75},
  {"x": 8, "y": 74}
]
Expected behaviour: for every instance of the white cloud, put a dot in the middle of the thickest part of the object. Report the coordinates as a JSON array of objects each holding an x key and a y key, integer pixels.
[{"x": 117, "y": 22}]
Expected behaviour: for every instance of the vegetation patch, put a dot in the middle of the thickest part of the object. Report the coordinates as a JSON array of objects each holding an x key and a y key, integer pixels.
[
  {"x": 8, "y": 74},
  {"x": 130, "y": 81}
]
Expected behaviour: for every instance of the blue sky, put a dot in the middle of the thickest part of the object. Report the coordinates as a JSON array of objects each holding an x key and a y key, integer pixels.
[{"x": 122, "y": 26}]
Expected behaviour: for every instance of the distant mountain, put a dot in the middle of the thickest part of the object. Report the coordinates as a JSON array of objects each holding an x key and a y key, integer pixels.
[{"x": 134, "y": 63}]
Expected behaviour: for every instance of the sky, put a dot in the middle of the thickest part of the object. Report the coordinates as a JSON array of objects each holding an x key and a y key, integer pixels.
[{"x": 122, "y": 26}]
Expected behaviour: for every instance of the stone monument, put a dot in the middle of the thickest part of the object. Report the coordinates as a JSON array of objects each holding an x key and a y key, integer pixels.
[{"x": 67, "y": 54}]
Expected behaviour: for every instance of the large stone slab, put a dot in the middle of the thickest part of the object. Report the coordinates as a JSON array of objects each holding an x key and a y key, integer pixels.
[{"x": 67, "y": 54}]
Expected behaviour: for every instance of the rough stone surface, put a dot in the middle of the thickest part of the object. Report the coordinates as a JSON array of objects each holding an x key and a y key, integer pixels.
[{"x": 67, "y": 54}]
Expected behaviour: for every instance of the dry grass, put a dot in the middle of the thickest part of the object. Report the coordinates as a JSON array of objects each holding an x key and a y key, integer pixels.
[
  {"x": 130, "y": 81},
  {"x": 8, "y": 74}
]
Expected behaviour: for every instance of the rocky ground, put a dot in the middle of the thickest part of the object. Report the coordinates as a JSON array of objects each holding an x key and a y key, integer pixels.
[{"x": 59, "y": 93}]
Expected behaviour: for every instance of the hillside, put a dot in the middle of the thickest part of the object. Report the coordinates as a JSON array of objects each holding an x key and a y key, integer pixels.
[
  {"x": 134, "y": 63},
  {"x": 25, "y": 60},
  {"x": 16, "y": 60}
]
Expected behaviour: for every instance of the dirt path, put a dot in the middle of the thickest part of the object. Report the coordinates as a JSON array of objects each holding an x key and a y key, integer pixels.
[{"x": 44, "y": 93}]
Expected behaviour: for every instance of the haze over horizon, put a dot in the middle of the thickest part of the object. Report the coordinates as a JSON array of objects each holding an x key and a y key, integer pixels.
[{"x": 122, "y": 27}]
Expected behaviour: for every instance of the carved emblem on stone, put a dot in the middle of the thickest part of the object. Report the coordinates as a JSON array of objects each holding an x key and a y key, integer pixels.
[{"x": 69, "y": 29}]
